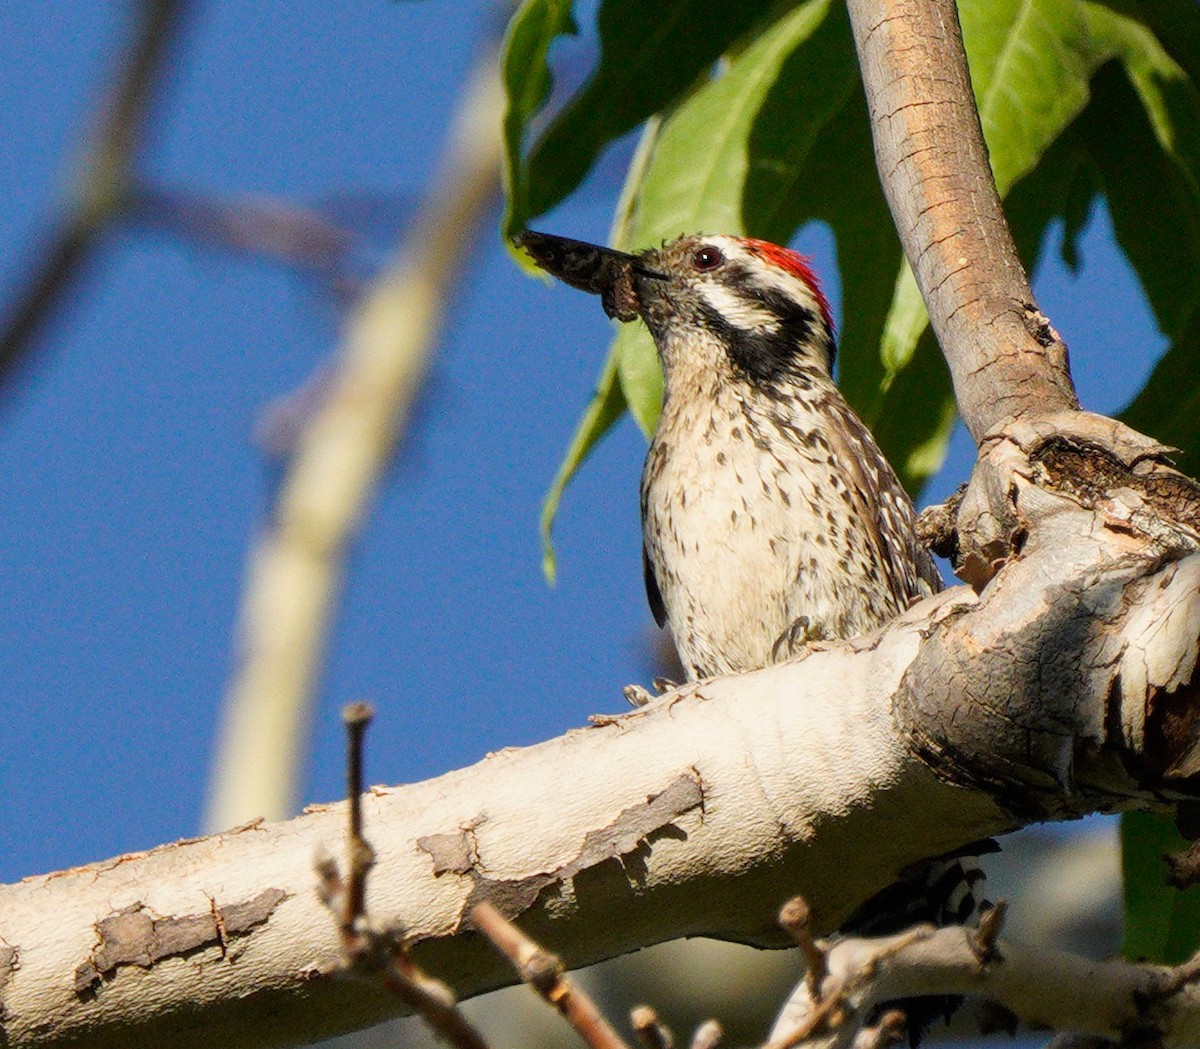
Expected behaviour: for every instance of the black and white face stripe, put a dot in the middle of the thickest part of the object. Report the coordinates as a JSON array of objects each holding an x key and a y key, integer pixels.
[{"x": 774, "y": 333}]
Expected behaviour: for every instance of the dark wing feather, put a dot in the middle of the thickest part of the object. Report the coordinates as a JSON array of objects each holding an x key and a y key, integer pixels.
[
  {"x": 886, "y": 506},
  {"x": 653, "y": 594}
]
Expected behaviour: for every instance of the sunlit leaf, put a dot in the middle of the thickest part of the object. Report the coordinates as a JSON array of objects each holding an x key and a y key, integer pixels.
[
  {"x": 1175, "y": 25},
  {"x": 1030, "y": 61},
  {"x": 906, "y": 322},
  {"x": 640, "y": 378},
  {"x": 697, "y": 174},
  {"x": 831, "y": 178},
  {"x": 598, "y": 418},
  {"x": 694, "y": 177}
]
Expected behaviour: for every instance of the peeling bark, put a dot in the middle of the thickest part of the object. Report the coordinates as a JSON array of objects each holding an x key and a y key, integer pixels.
[
  {"x": 1067, "y": 685},
  {"x": 10, "y": 961},
  {"x": 633, "y": 831},
  {"x": 134, "y": 936}
]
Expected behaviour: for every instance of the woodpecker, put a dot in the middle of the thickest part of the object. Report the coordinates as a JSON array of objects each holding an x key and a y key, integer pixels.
[{"x": 770, "y": 518}]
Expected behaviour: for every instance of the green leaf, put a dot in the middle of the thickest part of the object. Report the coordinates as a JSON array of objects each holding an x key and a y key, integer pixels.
[
  {"x": 916, "y": 415},
  {"x": 906, "y": 321},
  {"x": 650, "y": 53},
  {"x": 1168, "y": 406},
  {"x": 827, "y": 173},
  {"x": 1143, "y": 136},
  {"x": 696, "y": 175},
  {"x": 601, "y": 414},
  {"x": 1174, "y": 23},
  {"x": 1030, "y": 61},
  {"x": 689, "y": 175},
  {"x": 1153, "y": 200},
  {"x": 1161, "y": 924},
  {"x": 1166, "y": 88},
  {"x": 531, "y": 31},
  {"x": 640, "y": 376}
]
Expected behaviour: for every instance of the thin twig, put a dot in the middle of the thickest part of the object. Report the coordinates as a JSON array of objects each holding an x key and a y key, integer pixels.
[
  {"x": 380, "y": 954},
  {"x": 646, "y": 1026},
  {"x": 708, "y": 1035},
  {"x": 356, "y": 717},
  {"x": 889, "y": 1030},
  {"x": 278, "y": 230},
  {"x": 543, "y": 972},
  {"x": 795, "y": 918},
  {"x": 983, "y": 939},
  {"x": 829, "y": 1012},
  {"x": 101, "y": 190}
]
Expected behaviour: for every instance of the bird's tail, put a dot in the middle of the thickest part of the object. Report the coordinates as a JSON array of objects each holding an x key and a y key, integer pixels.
[{"x": 947, "y": 890}]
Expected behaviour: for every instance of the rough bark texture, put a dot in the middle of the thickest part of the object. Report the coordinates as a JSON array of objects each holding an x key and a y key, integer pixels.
[
  {"x": 1005, "y": 358},
  {"x": 699, "y": 815}
]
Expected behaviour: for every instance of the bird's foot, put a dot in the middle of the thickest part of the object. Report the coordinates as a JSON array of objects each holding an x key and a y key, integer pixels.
[
  {"x": 802, "y": 633},
  {"x": 639, "y": 696}
]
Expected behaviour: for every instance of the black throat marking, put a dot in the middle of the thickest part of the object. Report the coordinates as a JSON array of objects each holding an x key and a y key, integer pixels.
[{"x": 771, "y": 360}]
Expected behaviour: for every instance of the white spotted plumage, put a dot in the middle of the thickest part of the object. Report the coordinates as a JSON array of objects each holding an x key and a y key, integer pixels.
[{"x": 770, "y": 517}]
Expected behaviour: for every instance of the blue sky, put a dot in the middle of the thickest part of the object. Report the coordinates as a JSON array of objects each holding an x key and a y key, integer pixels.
[{"x": 131, "y": 482}]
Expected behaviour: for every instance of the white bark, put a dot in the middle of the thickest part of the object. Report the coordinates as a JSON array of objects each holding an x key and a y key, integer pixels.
[
  {"x": 697, "y": 815},
  {"x": 767, "y": 784},
  {"x": 1044, "y": 988}
]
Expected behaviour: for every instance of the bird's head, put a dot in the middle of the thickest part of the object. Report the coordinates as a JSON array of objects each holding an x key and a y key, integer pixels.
[{"x": 740, "y": 304}]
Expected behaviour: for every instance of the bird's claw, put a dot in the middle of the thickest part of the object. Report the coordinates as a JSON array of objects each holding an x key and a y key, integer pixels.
[{"x": 637, "y": 695}]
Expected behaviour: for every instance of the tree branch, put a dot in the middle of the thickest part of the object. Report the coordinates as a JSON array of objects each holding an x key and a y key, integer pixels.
[
  {"x": 101, "y": 190},
  {"x": 694, "y": 815},
  {"x": 1004, "y": 357},
  {"x": 1044, "y": 988},
  {"x": 295, "y": 567}
]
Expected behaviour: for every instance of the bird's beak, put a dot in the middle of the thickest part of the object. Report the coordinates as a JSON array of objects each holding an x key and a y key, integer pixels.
[{"x": 613, "y": 275}]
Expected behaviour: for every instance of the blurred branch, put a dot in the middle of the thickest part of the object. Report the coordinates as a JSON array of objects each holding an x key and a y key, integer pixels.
[
  {"x": 101, "y": 190},
  {"x": 544, "y": 972},
  {"x": 1045, "y": 988},
  {"x": 277, "y": 230},
  {"x": 295, "y": 567}
]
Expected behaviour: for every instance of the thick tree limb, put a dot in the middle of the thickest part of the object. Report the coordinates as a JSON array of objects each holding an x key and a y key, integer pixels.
[
  {"x": 1005, "y": 358},
  {"x": 698, "y": 814},
  {"x": 1010, "y": 369}
]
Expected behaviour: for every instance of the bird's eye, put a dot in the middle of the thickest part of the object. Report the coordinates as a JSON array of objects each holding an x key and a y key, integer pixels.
[{"x": 707, "y": 258}]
